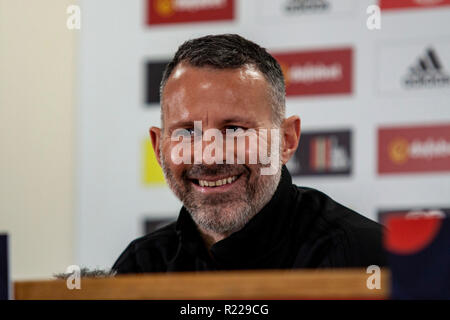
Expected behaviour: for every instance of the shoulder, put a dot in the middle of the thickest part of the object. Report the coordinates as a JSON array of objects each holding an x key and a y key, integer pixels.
[
  {"x": 354, "y": 238},
  {"x": 147, "y": 253}
]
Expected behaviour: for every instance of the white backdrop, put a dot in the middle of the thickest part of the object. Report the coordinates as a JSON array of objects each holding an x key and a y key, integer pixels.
[{"x": 113, "y": 119}]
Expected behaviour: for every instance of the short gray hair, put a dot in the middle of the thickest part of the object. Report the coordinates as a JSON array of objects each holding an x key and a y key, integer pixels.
[{"x": 230, "y": 51}]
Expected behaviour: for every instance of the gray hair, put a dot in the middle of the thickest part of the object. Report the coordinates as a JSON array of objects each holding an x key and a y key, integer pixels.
[{"x": 230, "y": 51}]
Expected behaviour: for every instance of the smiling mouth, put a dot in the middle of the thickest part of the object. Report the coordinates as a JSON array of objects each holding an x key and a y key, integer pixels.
[{"x": 216, "y": 183}]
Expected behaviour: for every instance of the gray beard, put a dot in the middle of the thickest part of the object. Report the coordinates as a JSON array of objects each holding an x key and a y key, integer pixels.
[{"x": 225, "y": 214}]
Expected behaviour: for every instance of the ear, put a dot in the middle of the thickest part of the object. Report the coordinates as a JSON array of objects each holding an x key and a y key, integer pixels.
[
  {"x": 291, "y": 137},
  {"x": 155, "y": 136}
]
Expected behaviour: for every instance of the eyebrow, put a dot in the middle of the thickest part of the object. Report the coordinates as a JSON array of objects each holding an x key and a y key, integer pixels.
[
  {"x": 181, "y": 124},
  {"x": 239, "y": 120}
]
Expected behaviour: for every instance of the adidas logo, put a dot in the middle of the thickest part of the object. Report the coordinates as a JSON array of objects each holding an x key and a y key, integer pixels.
[
  {"x": 306, "y": 5},
  {"x": 427, "y": 72}
]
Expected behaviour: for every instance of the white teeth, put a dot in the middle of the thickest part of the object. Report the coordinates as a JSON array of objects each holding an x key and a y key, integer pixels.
[{"x": 204, "y": 183}]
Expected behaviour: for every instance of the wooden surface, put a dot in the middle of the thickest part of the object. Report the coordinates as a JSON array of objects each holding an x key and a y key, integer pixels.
[{"x": 280, "y": 284}]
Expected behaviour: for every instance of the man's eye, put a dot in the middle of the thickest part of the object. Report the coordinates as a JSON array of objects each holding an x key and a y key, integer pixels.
[
  {"x": 184, "y": 132},
  {"x": 234, "y": 128}
]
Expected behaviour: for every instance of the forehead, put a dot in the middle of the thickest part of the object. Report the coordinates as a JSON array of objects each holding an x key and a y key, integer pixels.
[{"x": 191, "y": 93}]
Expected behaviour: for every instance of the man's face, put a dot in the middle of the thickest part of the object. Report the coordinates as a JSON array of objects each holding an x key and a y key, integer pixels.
[{"x": 220, "y": 197}]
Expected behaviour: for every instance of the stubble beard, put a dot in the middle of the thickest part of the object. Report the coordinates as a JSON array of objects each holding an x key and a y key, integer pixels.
[{"x": 224, "y": 213}]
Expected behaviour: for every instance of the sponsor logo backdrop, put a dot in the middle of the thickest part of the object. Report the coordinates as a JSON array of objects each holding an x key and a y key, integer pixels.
[
  {"x": 415, "y": 67},
  {"x": 414, "y": 149},
  {"x": 412, "y": 4},
  {"x": 374, "y": 104},
  {"x": 184, "y": 11},
  {"x": 317, "y": 72},
  {"x": 322, "y": 153}
]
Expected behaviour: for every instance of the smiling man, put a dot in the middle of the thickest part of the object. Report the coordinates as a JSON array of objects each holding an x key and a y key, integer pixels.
[{"x": 235, "y": 215}]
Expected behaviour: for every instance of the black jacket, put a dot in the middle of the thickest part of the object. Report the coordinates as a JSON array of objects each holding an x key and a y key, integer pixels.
[{"x": 299, "y": 228}]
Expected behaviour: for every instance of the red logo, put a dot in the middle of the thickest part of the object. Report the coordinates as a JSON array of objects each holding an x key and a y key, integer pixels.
[
  {"x": 179, "y": 11},
  {"x": 404, "y": 4},
  {"x": 317, "y": 72},
  {"x": 410, "y": 235},
  {"x": 414, "y": 149}
]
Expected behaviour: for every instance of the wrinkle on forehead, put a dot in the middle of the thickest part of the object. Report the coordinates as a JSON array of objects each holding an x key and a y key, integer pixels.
[{"x": 211, "y": 84}]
